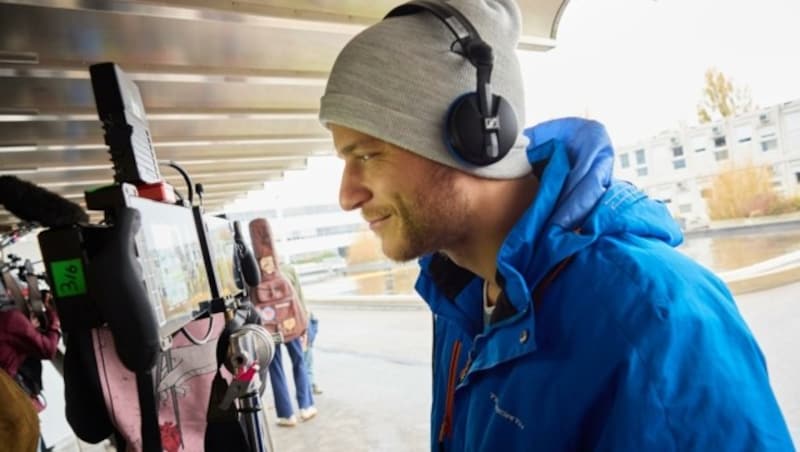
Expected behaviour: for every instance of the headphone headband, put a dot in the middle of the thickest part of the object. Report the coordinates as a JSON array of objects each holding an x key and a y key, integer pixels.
[
  {"x": 480, "y": 126},
  {"x": 474, "y": 48}
]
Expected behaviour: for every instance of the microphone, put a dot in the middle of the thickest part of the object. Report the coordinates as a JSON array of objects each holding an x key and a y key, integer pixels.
[
  {"x": 250, "y": 271},
  {"x": 30, "y": 202}
]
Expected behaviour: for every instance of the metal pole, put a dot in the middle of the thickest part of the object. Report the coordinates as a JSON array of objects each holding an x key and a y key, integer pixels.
[{"x": 257, "y": 433}]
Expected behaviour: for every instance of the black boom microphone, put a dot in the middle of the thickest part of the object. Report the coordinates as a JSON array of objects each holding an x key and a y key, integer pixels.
[
  {"x": 30, "y": 202},
  {"x": 250, "y": 271}
]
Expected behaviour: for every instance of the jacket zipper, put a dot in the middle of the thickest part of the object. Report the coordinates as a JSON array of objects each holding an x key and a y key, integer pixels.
[{"x": 446, "y": 428}]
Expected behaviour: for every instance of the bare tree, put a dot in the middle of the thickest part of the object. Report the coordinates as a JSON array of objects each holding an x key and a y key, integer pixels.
[{"x": 721, "y": 98}]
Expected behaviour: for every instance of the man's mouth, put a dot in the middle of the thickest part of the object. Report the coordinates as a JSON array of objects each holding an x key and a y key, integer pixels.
[{"x": 377, "y": 222}]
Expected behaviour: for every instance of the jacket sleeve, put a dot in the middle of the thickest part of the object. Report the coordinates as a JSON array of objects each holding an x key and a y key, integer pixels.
[{"x": 30, "y": 340}]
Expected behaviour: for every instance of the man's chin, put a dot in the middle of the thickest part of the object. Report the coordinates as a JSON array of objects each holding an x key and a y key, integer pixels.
[
  {"x": 398, "y": 253},
  {"x": 403, "y": 251}
]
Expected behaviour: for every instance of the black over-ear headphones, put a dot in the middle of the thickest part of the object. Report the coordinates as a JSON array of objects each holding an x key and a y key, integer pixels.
[{"x": 480, "y": 127}]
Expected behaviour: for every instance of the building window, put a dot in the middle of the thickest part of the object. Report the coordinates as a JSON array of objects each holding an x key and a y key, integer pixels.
[
  {"x": 641, "y": 172},
  {"x": 699, "y": 144},
  {"x": 679, "y": 163},
  {"x": 744, "y": 134},
  {"x": 684, "y": 208},
  {"x": 340, "y": 229},
  {"x": 624, "y": 161},
  {"x": 640, "y": 157},
  {"x": 769, "y": 144},
  {"x": 797, "y": 177},
  {"x": 721, "y": 154},
  {"x": 310, "y": 210},
  {"x": 677, "y": 151},
  {"x": 719, "y": 142}
]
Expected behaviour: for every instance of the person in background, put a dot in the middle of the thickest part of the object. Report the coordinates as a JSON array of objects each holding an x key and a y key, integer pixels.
[
  {"x": 280, "y": 387},
  {"x": 313, "y": 326},
  {"x": 564, "y": 319},
  {"x": 281, "y": 312},
  {"x": 19, "y": 424},
  {"x": 22, "y": 338}
]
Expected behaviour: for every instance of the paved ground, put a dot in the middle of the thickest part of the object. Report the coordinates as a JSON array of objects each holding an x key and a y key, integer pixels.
[
  {"x": 774, "y": 318},
  {"x": 374, "y": 366}
]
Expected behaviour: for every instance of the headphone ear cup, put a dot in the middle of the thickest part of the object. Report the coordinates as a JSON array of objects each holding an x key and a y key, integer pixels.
[
  {"x": 465, "y": 136},
  {"x": 509, "y": 131}
]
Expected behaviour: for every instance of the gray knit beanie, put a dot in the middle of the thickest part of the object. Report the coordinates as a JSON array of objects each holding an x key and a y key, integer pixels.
[{"x": 396, "y": 80}]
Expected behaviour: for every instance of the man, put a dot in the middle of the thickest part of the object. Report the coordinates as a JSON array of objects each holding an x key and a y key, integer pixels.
[
  {"x": 281, "y": 311},
  {"x": 564, "y": 318}
]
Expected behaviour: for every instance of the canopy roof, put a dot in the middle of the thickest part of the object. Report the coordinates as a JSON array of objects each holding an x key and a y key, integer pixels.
[{"x": 231, "y": 89}]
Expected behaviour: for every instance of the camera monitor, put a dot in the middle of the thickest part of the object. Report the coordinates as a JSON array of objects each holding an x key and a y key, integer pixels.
[
  {"x": 221, "y": 246},
  {"x": 169, "y": 251}
]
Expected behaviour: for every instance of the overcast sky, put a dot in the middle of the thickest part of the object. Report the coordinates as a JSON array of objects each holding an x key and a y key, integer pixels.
[
  {"x": 638, "y": 65},
  {"x": 635, "y": 65}
]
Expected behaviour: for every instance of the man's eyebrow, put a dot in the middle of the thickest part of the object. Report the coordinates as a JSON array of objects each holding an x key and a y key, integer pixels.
[{"x": 344, "y": 151}]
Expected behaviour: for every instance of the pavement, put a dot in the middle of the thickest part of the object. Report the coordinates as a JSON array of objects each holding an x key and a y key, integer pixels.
[{"x": 374, "y": 367}]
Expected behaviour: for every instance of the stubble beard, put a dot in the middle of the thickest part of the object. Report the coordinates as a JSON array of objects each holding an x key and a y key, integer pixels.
[{"x": 434, "y": 219}]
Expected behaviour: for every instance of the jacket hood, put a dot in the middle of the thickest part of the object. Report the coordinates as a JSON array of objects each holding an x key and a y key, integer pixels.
[{"x": 578, "y": 202}]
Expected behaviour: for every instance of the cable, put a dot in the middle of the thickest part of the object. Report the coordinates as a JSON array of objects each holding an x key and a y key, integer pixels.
[
  {"x": 183, "y": 173},
  {"x": 208, "y": 333}
]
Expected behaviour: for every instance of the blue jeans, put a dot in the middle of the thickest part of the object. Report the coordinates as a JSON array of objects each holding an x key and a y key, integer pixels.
[
  {"x": 308, "y": 359},
  {"x": 280, "y": 390},
  {"x": 308, "y": 355}
]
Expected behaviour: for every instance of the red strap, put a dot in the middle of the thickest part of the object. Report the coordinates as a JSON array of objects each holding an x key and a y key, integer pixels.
[{"x": 447, "y": 427}]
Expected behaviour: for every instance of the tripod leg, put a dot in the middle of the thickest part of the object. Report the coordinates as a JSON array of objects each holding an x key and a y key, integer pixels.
[
  {"x": 269, "y": 440},
  {"x": 254, "y": 419}
]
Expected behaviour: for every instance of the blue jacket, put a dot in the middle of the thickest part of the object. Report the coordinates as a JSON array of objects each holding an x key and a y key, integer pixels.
[{"x": 605, "y": 337}]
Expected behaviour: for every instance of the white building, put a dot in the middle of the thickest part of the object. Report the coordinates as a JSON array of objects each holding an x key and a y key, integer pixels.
[{"x": 677, "y": 166}]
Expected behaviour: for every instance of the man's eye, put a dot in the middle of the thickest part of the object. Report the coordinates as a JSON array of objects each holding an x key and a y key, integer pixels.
[{"x": 365, "y": 157}]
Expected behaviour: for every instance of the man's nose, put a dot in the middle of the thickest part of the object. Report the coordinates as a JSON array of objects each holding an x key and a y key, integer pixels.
[{"x": 353, "y": 193}]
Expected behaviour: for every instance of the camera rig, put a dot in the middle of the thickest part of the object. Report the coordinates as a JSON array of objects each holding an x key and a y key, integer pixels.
[{"x": 153, "y": 264}]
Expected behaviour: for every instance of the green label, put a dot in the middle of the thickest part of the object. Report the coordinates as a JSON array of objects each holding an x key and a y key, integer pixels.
[{"x": 68, "y": 278}]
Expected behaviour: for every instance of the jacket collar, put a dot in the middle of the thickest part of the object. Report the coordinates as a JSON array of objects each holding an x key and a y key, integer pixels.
[{"x": 577, "y": 202}]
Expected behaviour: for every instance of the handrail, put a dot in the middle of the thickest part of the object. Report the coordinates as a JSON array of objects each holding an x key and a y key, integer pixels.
[
  {"x": 778, "y": 264},
  {"x": 788, "y": 261}
]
